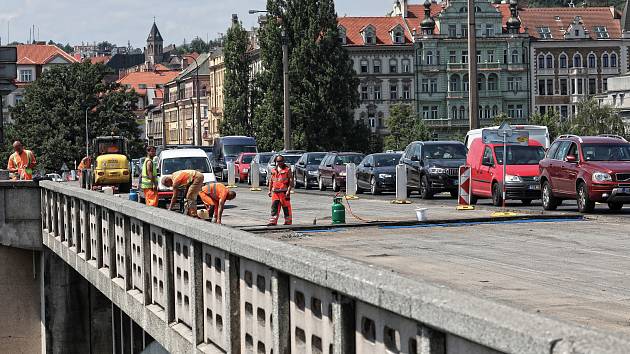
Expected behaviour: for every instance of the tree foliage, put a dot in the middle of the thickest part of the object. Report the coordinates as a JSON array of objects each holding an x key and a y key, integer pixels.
[
  {"x": 105, "y": 47},
  {"x": 323, "y": 83},
  {"x": 50, "y": 120},
  {"x": 236, "y": 87},
  {"x": 404, "y": 127}
]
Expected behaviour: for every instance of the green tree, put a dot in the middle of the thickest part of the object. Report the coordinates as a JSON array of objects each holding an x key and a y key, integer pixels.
[
  {"x": 104, "y": 46},
  {"x": 500, "y": 119},
  {"x": 594, "y": 119},
  {"x": 404, "y": 127},
  {"x": 51, "y": 117},
  {"x": 198, "y": 45},
  {"x": 552, "y": 120},
  {"x": 236, "y": 87}
]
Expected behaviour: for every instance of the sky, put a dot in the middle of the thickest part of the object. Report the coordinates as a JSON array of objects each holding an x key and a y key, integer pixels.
[{"x": 119, "y": 21}]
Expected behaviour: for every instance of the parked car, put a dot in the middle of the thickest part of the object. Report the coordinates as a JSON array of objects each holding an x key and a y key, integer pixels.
[
  {"x": 55, "y": 177},
  {"x": 242, "y": 164},
  {"x": 291, "y": 157},
  {"x": 262, "y": 159},
  {"x": 521, "y": 179},
  {"x": 589, "y": 169},
  {"x": 536, "y": 132},
  {"x": 433, "y": 167},
  {"x": 227, "y": 149},
  {"x": 171, "y": 161},
  {"x": 305, "y": 174},
  {"x": 377, "y": 173},
  {"x": 332, "y": 169}
]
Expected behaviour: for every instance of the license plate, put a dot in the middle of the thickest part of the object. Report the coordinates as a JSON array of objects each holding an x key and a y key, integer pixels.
[{"x": 535, "y": 187}]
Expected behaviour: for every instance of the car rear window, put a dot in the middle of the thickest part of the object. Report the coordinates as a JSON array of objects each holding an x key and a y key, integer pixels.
[{"x": 606, "y": 152}]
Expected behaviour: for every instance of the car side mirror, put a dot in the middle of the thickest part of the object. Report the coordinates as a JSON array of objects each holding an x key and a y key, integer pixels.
[
  {"x": 329, "y": 165},
  {"x": 571, "y": 159},
  {"x": 367, "y": 165},
  {"x": 237, "y": 163},
  {"x": 415, "y": 158}
]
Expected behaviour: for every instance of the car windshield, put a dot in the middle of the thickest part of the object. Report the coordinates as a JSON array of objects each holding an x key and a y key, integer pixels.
[
  {"x": 386, "y": 160},
  {"x": 315, "y": 159},
  {"x": 235, "y": 150},
  {"x": 520, "y": 155},
  {"x": 170, "y": 166},
  {"x": 247, "y": 158},
  {"x": 344, "y": 159},
  {"x": 444, "y": 152},
  {"x": 606, "y": 152}
]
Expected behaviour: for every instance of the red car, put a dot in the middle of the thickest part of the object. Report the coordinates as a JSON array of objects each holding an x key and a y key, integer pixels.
[
  {"x": 521, "y": 178},
  {"x": 242, "y": 164},
  {"x": 589, "y": 169}
]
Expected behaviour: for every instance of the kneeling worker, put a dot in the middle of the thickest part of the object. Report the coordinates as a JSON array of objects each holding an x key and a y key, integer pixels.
[
  {"x": 191, "y": 179},
  {"x": 214, "y": 196}
]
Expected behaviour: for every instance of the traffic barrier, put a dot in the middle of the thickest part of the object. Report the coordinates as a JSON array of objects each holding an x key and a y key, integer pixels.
[
  {"x": 231, "y": 175},
  {"x": 254, "y": 173},
  {"x": 351, "y": 181},
  {"x": 465, "y": 189},
  {"x": 401, "y": 185}
]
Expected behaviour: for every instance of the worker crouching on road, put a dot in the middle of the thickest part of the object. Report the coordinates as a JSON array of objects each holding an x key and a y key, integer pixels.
[
  {"x": 148, "y": 182},
  {"x": 182, "y": 180},
  {"x": 21, "y": 162},
  {"x": 280, "y": 192},
  {"x": 214, "y": 196}
]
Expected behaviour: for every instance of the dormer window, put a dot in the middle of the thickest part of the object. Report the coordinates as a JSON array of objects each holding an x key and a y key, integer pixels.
[
  {"x": 398, "y": 36},
  {"x": 369, "y": 35},
  {"x": 545, "y": 33},
  {"x": 601, "y": 32},
  {"x": 342, "y": 35}
]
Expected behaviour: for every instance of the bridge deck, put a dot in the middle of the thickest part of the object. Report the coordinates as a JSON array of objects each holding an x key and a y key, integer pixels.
[{"x": 575, "y": 271}]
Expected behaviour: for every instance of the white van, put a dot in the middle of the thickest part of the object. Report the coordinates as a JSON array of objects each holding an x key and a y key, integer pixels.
[
  {"x": 171, "y": 161},
  {"x": 536, "y": 132}
]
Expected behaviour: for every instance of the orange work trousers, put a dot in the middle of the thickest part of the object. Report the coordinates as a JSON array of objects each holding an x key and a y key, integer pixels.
[{"x": 279, "y": 200}]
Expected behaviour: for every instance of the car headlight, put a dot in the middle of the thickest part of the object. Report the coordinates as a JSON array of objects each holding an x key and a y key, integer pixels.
[
  {"x": 601, "y": 177},
  {"x": 513, "y": 179},
  {"x": 384, "y": 175},
  {"x": 313, "y": 173},
  {"x": 342, "y": 174},
  {"x": 436, "y": 170}
]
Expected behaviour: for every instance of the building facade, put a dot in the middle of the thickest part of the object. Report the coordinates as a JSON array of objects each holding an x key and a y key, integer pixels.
[
  {"x": 442, "y": 59},
  {"x": 574, "y": 53},
  {"x": 618, "y": 96},
  {"x": 216, "y": 65}
]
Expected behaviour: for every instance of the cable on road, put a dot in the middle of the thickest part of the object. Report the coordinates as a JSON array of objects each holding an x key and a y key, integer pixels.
[{"x": 352, "y": 212}]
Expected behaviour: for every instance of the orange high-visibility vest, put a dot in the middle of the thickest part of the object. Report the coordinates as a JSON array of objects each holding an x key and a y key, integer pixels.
[
  {"x": 216, "y": 191},
  {"x": 280, "y": 179}
]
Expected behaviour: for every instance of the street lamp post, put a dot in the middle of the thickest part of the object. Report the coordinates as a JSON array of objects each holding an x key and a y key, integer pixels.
[
  {"x": 285, "y": 78},
  {"x": 473, "y": 92}
]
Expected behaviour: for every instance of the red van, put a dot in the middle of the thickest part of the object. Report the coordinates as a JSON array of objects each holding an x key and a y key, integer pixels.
[{"x": 522, "y": 171}]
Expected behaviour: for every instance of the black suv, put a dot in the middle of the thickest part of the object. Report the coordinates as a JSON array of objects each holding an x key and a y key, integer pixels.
[{"x": 433, "y": 167}]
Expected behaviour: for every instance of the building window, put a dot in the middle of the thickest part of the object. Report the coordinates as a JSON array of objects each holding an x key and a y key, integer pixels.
[
  {"x": 613, "y": 60},
  {"x": 454, "y": 112},
  {"x": 364, "y": 67},
  {"x": 464, "y": 30},
  {"x": 377, "y": 92},
  {"x": 563, "y": 61},
  {"x": 592, "y": 87},
  {"x": 452, "y": 56},
  {"x": 342, "y": 35},
  {"x": 601, "y": 32},
  {"x": 406, "y": 92},
  {"x": 26, "y": 75},
  {"x": 452, "y": 30},
  {"x": 605, "y": 61},
  {"x": 465, "y": 84},
  {"x": 492, "y": 82},
  {"x": 519, "y": 111},
  {"x": 364, "y": 92},
  {"x": 544, "y": 32},
  {"x": 478, "y": 56},
  {"x": 376, "y": 66},
  {"x": 580, "y": 87},
  {"x": 549, "y": 59},
  {"x": 425, "y": 112},
  {"x": 511, "y": 84},
  {"x": 464, "y": 57},
  {"x": 577, "y": 60},
  {"x": 429, "y": 58},
  {"x": 541, "y": 61},
  {"x": 481, "y": 82},
  {"x": 393, "y": 66},
  {"x": 495, "y": 111},
  {"x": 369, "y": 36},
  {"x": 406, "y": 65},
  {"x": 592, "y": 61},
  {"x": 462, "y": 112},
  {"x": 425, "y": 85},
  {"x": 489, "y": 30},
  {"x": 393, "y": 92},
  {"x": 511, "y": 112},
  {"x": 433, "y": 85},
  {"x": 604, "y": 85},
  {"x": 491, "y": 56},
  {"x": 398, "y": 37},
  {"x": 434, "y": 112},
  {"x": 550, "y": 87},
  {"x": 515, "y": 56},
  {"x": 454, "y": 83},
  {"x": 564, "y": 87},
  {"x": 541, "y": 88}
]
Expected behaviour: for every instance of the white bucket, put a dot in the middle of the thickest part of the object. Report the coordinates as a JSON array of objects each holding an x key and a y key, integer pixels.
[
  {"x": 421, "y": 214},
  {"x": 108, "y": 190}
]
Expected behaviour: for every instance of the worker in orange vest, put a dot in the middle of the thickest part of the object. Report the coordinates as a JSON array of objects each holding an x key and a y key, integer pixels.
[
  {"x": 85, "y": 164},
  {"x": 21, "y": 162},
  {"x": 214, "y": 196},
  {"x": 280, "y": 192},
  {"x": 185, "y": 179}
]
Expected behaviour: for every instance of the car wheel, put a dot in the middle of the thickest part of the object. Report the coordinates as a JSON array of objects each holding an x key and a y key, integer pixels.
[
  {"x": 526, "y": 202},
  {"x": 425, "y": 188},
  {"x": 306, "y": 186},
  {"x": 374, "y": 187},
  {"x": 320, "y": 182},
  {"x": 473, "y": 200},
  {"x": 549, "y": 202},
  {"x": 615, "y": 206},
  {"x": 296, "y": 184},
  {"x": 497, "y": 195},
  {"x": 585, "y": 204},
  {"x": 335, "y": 186},
  {"x": 454, "y": 194}
]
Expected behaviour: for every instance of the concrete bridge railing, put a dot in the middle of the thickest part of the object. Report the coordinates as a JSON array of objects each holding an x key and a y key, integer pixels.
[{"x": 198, "y": 287}]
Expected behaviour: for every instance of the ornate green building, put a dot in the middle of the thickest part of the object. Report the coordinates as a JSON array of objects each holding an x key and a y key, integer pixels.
[{"x": 442, "y": 59}]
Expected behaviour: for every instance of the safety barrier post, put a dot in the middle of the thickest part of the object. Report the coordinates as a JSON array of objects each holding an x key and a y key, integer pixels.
[
  {"x": 401, "y": 185},
  {"x": 351, "y": 181},
  {"x": 254, "y": 173},
  {"x": 231, "y": 175},
  {"x": 464, "y": 189}
]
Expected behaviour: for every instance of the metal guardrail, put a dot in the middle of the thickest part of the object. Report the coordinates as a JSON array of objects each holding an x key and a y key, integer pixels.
[{"x": 195, "y": 286}]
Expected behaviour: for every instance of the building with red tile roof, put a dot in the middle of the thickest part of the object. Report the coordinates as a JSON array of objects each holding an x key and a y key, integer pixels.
[{"x": 102, "y": 59}]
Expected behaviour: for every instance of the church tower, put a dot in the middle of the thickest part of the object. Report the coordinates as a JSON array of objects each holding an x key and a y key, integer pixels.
[{"x": 154, "y": 51}]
